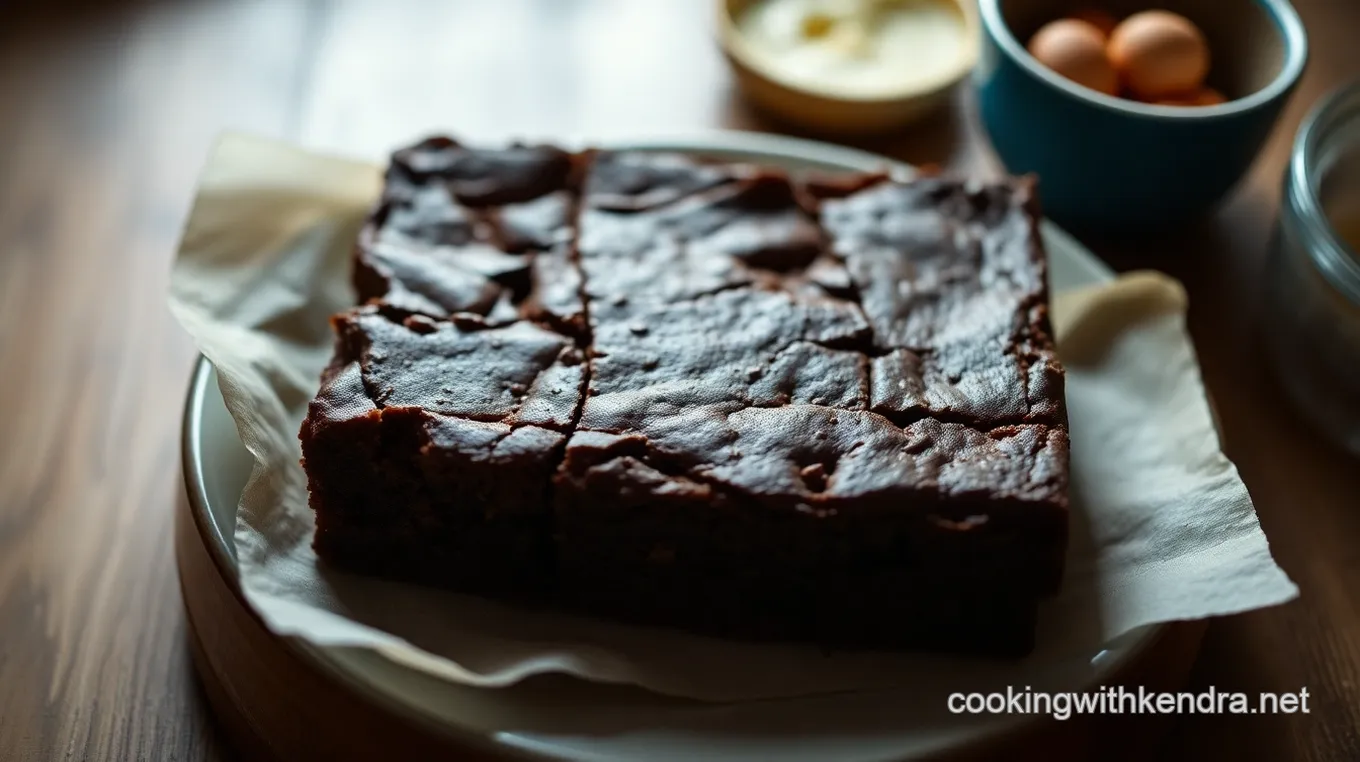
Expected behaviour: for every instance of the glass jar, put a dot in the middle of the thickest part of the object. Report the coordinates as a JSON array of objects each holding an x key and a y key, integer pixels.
[{"x": 1312, "y": 278}]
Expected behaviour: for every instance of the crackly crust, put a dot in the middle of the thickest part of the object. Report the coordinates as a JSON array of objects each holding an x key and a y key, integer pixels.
[{"x": 701, "y": 395}]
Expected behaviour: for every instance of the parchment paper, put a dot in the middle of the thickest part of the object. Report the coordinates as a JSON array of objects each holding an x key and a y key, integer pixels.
[{"x": 1163, "y": 528}]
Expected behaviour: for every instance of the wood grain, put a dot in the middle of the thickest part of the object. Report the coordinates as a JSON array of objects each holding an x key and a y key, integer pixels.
[
  {"x": 106, "y": 125},
  {"x": 109, "y": 110}
]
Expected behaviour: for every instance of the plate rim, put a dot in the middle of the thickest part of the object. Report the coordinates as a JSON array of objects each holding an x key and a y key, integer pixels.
[{"x": 754, "y": 147}]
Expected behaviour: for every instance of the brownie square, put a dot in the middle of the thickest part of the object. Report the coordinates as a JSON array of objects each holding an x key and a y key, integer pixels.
[
  {"x": 713, "y": 228},
  {"x": 953, "y": 279},
  {"x": 430, "y": 450},
  {"x": 480, "y": 231},
  {"x": 807, "y": 523}
]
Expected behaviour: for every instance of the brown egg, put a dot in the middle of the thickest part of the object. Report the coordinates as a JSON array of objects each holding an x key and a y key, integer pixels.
[
  {"x": 1099, "y": 19},
  {"x": 1159, "y": 54},
  {"x": 1076, "y": 50},
  {"x": 1205, "y": 96}
]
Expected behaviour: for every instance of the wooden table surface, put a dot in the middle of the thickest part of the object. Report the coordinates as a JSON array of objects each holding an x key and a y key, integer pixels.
[{"x": 108, "y": 111}]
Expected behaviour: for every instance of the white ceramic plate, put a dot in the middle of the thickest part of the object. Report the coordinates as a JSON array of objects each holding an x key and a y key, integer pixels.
[{"x": 563, "y": 718}]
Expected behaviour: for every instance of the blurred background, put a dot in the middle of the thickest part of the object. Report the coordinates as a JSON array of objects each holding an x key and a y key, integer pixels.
[{"x": 109, "y": 109}]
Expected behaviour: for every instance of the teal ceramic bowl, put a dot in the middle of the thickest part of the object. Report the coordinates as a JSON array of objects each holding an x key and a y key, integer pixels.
[{"x": 1107, "y": 164}]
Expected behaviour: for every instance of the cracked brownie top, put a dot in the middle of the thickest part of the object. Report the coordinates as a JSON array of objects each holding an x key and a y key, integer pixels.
[{"x": 717, "y": 331}]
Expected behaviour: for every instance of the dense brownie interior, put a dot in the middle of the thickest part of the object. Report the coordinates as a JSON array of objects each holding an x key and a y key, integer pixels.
[{"x": 700, "y": 395}]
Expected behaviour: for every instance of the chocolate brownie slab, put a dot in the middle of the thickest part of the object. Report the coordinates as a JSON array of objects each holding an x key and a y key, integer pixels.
[{"x": 700, "y": 395}]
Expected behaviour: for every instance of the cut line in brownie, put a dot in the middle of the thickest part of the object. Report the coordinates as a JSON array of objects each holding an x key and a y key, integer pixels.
[{"x": 701, "y": 395}]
